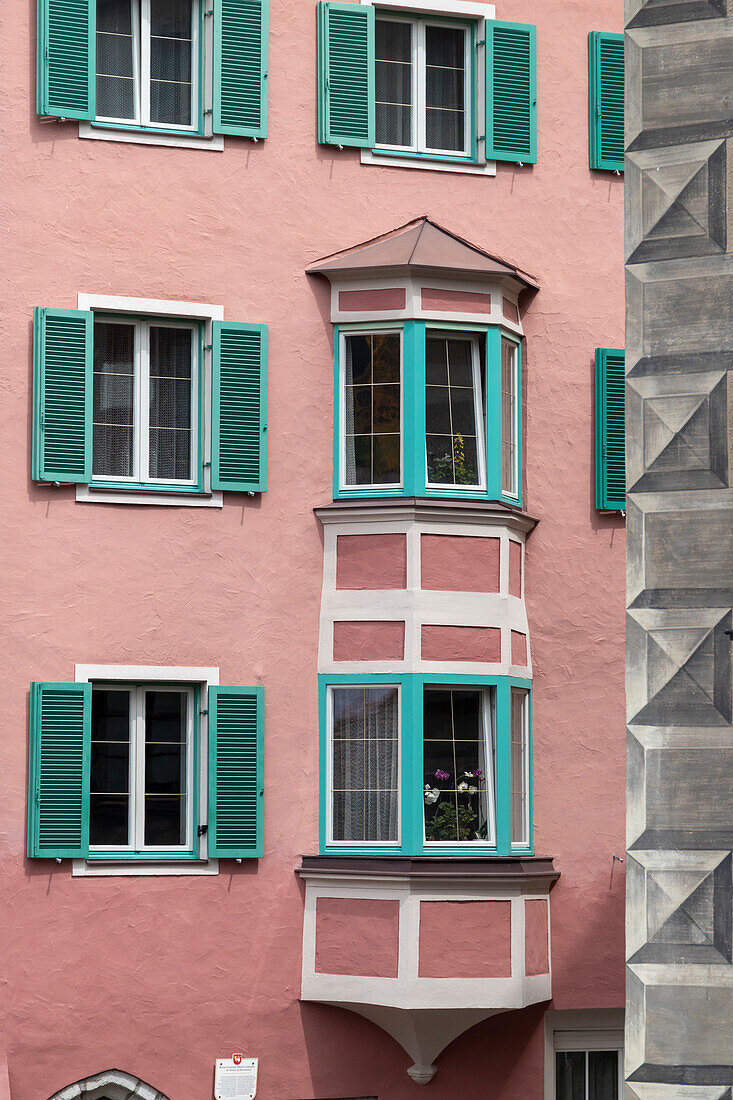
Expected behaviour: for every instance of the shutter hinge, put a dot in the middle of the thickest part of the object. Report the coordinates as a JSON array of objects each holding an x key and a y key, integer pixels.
[
  {"x": 208, "y": 111},
  {"x": 481, "y": 137},
  {"x": 202, "y": 830},
  {"x": 202, "y": 712},
  {"x": 209, "y": 12},
  {"x": 205, "y": 465},
  {"x": 208, "y": 347},
  {"x": 481, "y": 42}
]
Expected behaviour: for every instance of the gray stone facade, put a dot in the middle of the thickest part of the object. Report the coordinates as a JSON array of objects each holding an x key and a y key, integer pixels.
[{"x": 679, "y": 361}]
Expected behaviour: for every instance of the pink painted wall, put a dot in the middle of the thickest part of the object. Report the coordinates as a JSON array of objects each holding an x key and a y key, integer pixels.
[
  {"x": 519, "y": 648},
  {"x": 459, "y": 563},
  {"x": 515, "y": 568},
  {"x": 455, "y": 301},
  {"x": 371, "y": 561},
  {"x": 536, "y": 951},
  {"x": 465, "y": 939},
  {"x": 364, "y": 300},
  {"x": 461, "y": 643},
  {"x": 161, "y": 976},
  {"x": 357, "y": 936},
  {"x": 368, "y": 641}
]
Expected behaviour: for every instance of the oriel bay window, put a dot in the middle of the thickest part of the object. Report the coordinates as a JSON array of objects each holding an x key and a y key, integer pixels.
[
  {"x": 139, "y": 405},
  {"x": 427, "y": 411},
  {"x": 415, "y": 764}
]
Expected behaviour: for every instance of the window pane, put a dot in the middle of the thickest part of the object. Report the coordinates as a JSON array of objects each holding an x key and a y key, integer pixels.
[
  {"x": 509, "y": 417},
  {"x": 450, "y": 413},
  {"x": 170, "y": 403},
  {"x": 115, "y": 67},
  {"x": 602, "y": 1075},
  {"x": 166, "y": 724},
  {"x": 393, "y": 82},
  {"x": 519, "y": 768},
  {"x": 170, "y": 61},
  {"x": 365, "y": 764},
  {"x": 445, "y": 82},
  {"x": 570, "y": 1075},
  {"x": 455, "y": 766},
  {"x": 110, "y": 768},
  {"x": 372, "y": 415},
  {"x": 113, "y": 400}
]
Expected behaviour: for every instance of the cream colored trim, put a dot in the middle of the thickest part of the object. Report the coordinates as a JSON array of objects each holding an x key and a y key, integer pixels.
[
  {"x": 471, "y": 9},
  {"x": 205, "y": 677},
  {"x": 488, "y": 168},
  {"x": 413, "y": 286},
  {"x": 89, "y": 495},
  {"x": 595, "y": 1028},
  {"x": 214, "y": 144}
]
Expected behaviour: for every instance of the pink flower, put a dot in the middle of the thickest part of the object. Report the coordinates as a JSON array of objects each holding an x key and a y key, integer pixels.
[{"x": 441, "y": 774}]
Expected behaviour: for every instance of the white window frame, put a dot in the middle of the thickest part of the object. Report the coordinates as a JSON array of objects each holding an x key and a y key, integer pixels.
[
  {"x": 525, "y": 692},
  {"x": 373, "y": 330},
  {"x": 488, "y": 718},
  {"x": 140, "y": 24},
  {"x": 418, "y": 66},
  {"x": 479, "y": 402},
  {"x": 516, "y": 406},
  {"x": 136, "y": 771},
  {"x": 350, "y": 844},
  {"x": 156, "y": 676},
  {"x": 141, "y": 402},
  {"x": 585, "y": 1030},
  {"x": 161, "y": 310}
]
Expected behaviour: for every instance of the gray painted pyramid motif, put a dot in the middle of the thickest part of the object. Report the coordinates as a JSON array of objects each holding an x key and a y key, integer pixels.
[{"x": 688, "y": 671}]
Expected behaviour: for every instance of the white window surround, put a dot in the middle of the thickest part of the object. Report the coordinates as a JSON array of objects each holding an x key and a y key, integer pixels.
[
  {"x": 479, "y": 399},
  {"x": 157, "y": 674},
  {"x": 178, "y": 139},
  {"x": 104, "y": 304},
  {"x": 368, "y": 330},
  {"x": 457, "y": 9},
  {"x": 581, "y": 1029}
]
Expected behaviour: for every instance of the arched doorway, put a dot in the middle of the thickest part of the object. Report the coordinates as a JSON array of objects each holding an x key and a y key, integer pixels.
[{"x": 112, "y": 1084}]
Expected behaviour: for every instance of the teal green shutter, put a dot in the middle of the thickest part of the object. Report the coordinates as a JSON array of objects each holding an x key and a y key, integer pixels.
[
  {"x": 239, "y": 407},
  {"x": 606, "y": 61},
  {"x": 58, "y": 784},
  {"x": 511, "y": 92},
  {"x": 346, "y": 111},
  {"x": 610, "y": 430},
  {"x": 240, "y": 67},
  {"x": 65, "y": 62},
  {"x": 236, "y": 771},
  {"x": 62, "y": 395}
]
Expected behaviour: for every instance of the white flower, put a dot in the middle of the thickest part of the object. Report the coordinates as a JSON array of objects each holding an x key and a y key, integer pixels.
[
  {"x": 463, "y": 786},
  {"x": 431, "y": 796},
  {"x": 468, "y": 775},
  {"x": 472, "y": 790}
]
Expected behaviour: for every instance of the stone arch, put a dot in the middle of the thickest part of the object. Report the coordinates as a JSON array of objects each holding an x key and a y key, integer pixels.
[{"x": 112, "y": 1084}]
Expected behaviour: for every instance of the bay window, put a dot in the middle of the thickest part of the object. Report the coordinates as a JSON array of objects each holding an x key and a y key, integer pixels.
[
  {"x": 425, "y": 411},
  {"x": 414, "y": 764},
  {"x": 520, "y": 766}
]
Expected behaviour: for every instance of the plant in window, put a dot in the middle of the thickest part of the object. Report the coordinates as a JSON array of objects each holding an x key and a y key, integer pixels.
[
  {"x": 447, "y": 469},
  {"x": 455, "y": 818}
]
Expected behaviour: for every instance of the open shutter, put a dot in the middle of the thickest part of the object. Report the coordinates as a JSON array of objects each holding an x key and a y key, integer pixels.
[
  {"x": 240, "y": 67},
  {"x": 239, "y": 407},
  {"x": 58, "y": 795},
  {"x": 65, "y": 65},
  {"x": 346, "y": 111},
  {"x": 610, "y": 430},
  {"x": 606, "y": 59},
  {"x": 236, "y": 771},
  {"x": 511, "y": 92},
  {"x": 62, "y": 395}
]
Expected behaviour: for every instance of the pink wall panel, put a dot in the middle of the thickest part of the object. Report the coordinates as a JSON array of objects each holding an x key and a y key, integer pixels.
[
  {"x": 465, "y": 939},
  {"x": 455, "y": 301},
  {"x": 509, "y": 310},
  {"x": 358, "y": 936},
  {"x": 357, "y": 301},
  {"x": 460, "y": 563},
  {"x": 461, "y": 643},
  {"x": 371, "y": 561},
  {"x": 519, "y": 648},
  {"x": 368, "y": 641},
  {"x": 515, "y": 568},
  {"x": 537, "y": 951}
]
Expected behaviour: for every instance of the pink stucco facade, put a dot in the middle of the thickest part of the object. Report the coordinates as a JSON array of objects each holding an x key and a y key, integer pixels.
[{"x": 160, "y": 976}]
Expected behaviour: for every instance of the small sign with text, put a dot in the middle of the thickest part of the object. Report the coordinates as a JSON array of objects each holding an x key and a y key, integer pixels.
[{"x": 236, "y": 1078}]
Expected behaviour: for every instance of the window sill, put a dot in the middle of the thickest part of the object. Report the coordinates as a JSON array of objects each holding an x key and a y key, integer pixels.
[
  {"x": 106, "y": 868},
  {"x": 389, "y": 160},
  {"x": 177, "y": 139},
  {"x": 170, "y": 498}
]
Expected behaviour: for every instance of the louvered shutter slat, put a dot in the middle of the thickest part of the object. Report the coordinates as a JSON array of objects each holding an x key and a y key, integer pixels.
[
  {"x": 240, "y": 67},
  {"x": 66, "y": 79},
  {"x": 62, "y": 395},
  {"x": 346, "y": 111},
  {"x": 606, "y": 81},
  {"x": 236, "y": 771},
  {"x": 239, "y": 407},
  {"x": 511, "y": 92},
  {"x": 610, "y": 429},
  {"x": 60, "y": 738}
]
